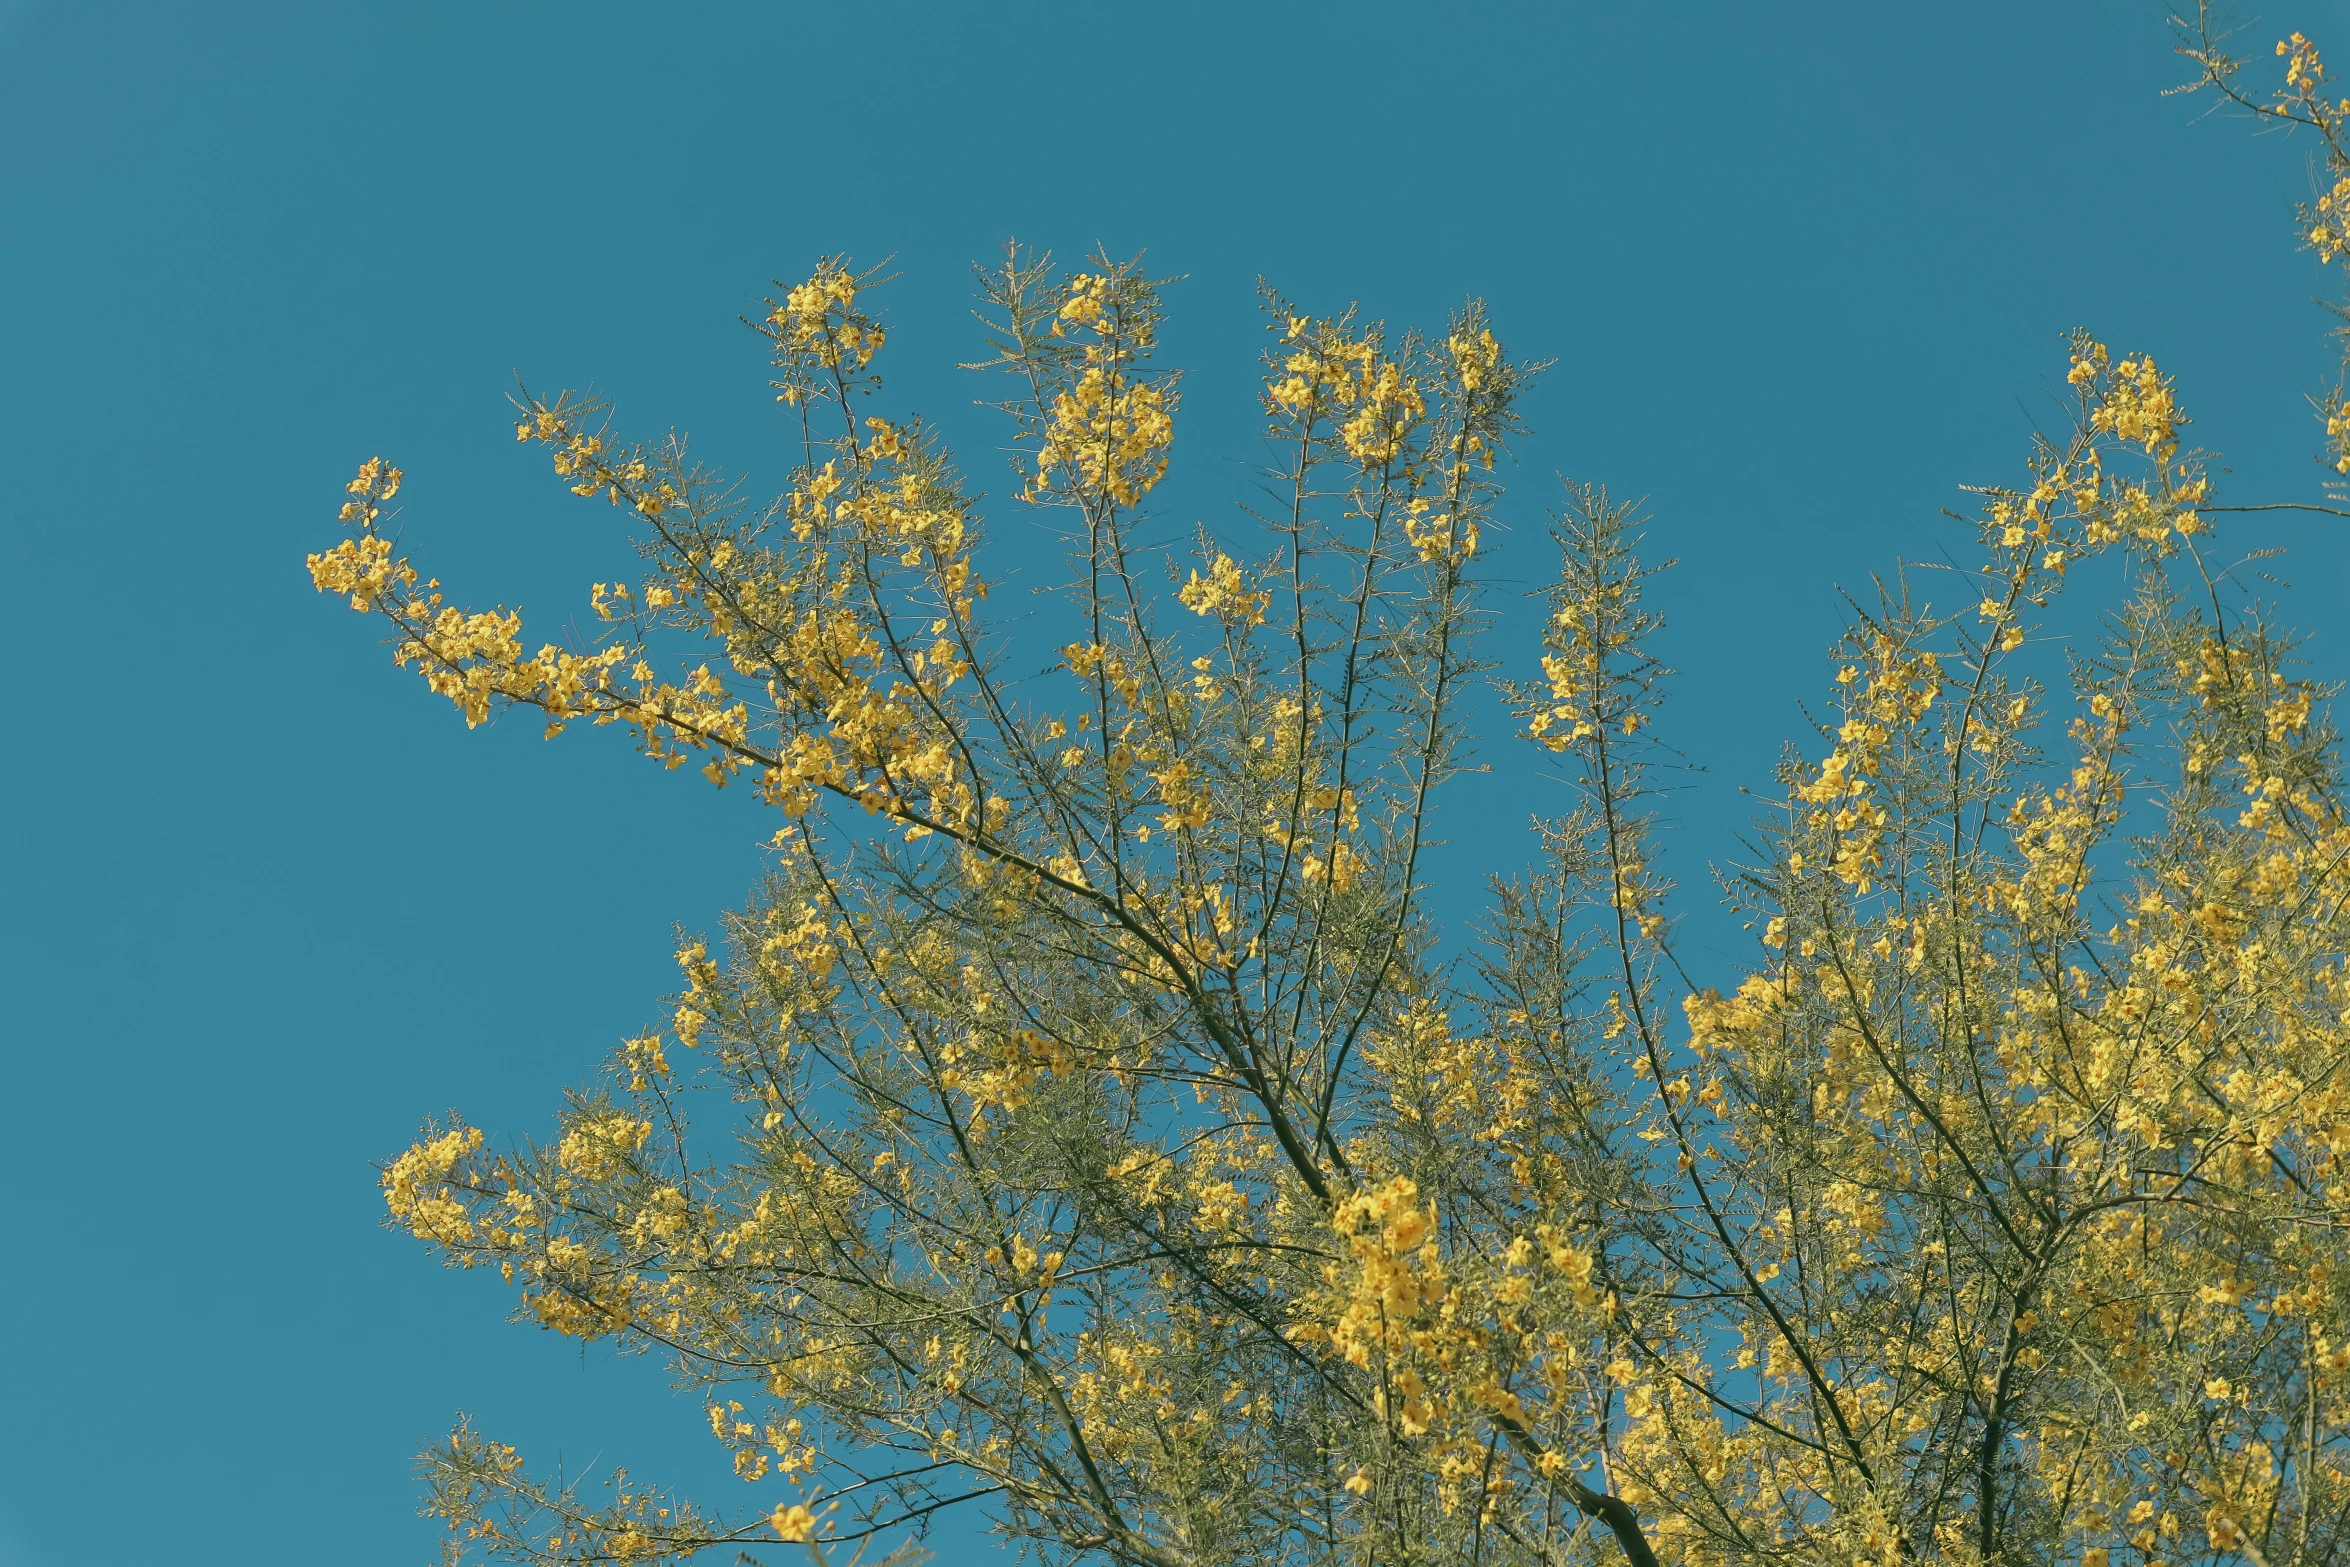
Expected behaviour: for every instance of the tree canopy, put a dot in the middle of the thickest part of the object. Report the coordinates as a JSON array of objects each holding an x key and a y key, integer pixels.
[{"x": 1106, "y": 1133}]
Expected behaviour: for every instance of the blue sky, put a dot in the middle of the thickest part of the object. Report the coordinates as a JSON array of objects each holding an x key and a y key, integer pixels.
[{"x": 1803, "y": 270}]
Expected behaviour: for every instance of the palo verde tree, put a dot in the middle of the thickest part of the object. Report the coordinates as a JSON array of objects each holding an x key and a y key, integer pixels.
[{"x": 1114, "y": 1137}]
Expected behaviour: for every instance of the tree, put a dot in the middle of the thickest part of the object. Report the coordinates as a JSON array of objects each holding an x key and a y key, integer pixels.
[{"x": 1118, "y": 1138}]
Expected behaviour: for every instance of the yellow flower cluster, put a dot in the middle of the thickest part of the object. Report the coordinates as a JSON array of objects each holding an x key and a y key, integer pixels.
[
  {"x": 916, "y": 517},
  {"x": 2306, "y": 99},
  {"x": 363, "y": 568},
  {"x": 1391, "y": 1295},
  {"x": 376, "y": 484},
  {"x": 1507, "y": 1334},
  {"x": 1104, "y": 434},
  {"x": 998, "y": 1072},
  {"x": 1226, "y": 592},
  {"x": 416, "y": 1189},
  {"x": 820, "y": 318},
  {"x": 2338, "y": 433},
  {"x": 1331, "y": 371},
  {"x": 2137, "y": 404},
  {"x": 1476, "y": 357},
  {"x": 2132, "y": 402},
  {"x": 2305, "y": 71},
  {"x": 1109, "y": 436},
  {"x": 1902, "y": 684},
  {"x": 1439, "y": 536},
  {"x": 1718, "y": 1024},
  {"x": 2329, "y": 235},
  {"x": 476, "y": 659},
  {"x": 597, "y": 1147},
  {"x": 776, "y": 1446}
]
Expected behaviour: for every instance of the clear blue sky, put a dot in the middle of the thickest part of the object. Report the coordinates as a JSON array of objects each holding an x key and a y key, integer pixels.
[{"x": 1803, "y": 271}]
